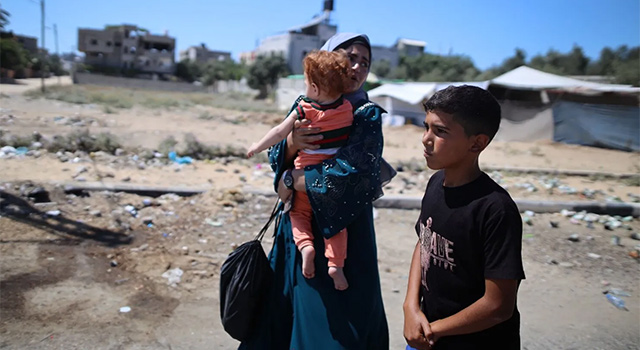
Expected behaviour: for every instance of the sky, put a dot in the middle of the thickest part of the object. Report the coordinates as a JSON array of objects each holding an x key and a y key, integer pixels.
[{"x": 486, "y": 31}]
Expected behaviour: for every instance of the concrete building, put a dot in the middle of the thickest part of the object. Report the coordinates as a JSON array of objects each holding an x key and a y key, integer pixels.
[
  {"x": 389, "y": 54},
  {"x": 411, "y": 48},
  {"x": 297, "y": 41},
  {"x": 128, "y": 47},
  {"x": 248, "y": 57},
  {"x": 202, "y": 55},
  {"x": 402, "y": 47}
]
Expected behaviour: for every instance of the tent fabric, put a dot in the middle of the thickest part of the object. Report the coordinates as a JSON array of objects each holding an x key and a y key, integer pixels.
[
  {"x": 526, "y": 78},
  {"x": 525, "y": 122},
  {"x": 602, "y": 125},
  {"x": 415, "y": 93},
  {"x": 607, "y": 126},
  {"x": 412, "y": 93}
]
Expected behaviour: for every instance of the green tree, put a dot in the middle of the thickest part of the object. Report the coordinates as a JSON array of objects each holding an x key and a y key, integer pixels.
[
  {"x": 626, "y": 66},
  {"x": 511, "y": 63},
  {"x": 381, "y": 68},
  {"x": 188, "y": 71},
  {"x": 222, "y": 70},
  {"x": 550, "y": 63},
  {"x": 627, "y": 72},
  {"x": 436, "y": 68},
  {"x": 399, "y": 72},
  {"x": 4, "y": 18},
  {"x": 572, "y": 63},
  {"x": 575, "y": 62},
  {"x": 623, "y": 64},
  {"x": 604, "y": 64},
  {"x": 12, "y": 55},
  {"x": 55, "y": 65},
  {"x": 264, "y": 73}
]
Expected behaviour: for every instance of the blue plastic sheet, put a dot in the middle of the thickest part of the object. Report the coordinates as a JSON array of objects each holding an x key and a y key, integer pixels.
[{"x": 606, "y": 126}]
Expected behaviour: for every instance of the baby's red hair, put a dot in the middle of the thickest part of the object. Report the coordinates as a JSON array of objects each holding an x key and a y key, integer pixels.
[{"x": 329, "y": 70}]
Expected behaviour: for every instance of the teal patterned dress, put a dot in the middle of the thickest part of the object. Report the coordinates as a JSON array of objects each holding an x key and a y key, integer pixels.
[{"x": 305, "y": 313}]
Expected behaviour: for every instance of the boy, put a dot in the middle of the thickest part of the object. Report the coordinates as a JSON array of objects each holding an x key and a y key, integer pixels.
[
  {"x": 327, "y": 76},
  {"x": 467, "y": 263}
]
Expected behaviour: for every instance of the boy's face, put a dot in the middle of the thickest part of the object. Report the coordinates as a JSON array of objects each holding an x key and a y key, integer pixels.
[{"x": 446, "y": 146}]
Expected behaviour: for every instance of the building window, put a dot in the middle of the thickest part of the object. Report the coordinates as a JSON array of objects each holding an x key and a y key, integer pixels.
[
  {"x": 118, "y": 44},
  {"x": 132, "y": 49},
  {"x": 94, "y": 42},
  {"x": 125, "y": 49},
  {"x": 108, "y": 43}
]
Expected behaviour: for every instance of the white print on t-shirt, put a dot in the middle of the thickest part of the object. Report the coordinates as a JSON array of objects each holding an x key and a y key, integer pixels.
[{"x": 434, "y": 247}]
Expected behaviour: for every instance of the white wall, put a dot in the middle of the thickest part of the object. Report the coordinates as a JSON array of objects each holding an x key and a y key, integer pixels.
[{"x": 287, "y": 92}]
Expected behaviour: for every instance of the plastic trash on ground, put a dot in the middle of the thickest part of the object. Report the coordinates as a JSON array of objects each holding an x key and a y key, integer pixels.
[
  {"x": 180, "y": 160},
  {"x": 617, "y": 302},
  {"x": 173, "y": 276}
]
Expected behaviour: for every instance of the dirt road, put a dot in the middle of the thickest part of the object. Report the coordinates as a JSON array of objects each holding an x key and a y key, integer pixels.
[{"x": 64, "y": 276}]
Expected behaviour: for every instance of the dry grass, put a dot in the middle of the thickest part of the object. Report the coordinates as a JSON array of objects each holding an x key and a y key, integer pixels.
[{"x": 117, "y": 97}]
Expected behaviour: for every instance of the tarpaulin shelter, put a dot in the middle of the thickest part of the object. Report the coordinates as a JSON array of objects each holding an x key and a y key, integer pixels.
[{"x": 540, "y": 106}]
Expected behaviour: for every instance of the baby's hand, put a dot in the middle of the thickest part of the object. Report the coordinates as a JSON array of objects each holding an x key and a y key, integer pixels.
[{"x": 251, "y": 151}]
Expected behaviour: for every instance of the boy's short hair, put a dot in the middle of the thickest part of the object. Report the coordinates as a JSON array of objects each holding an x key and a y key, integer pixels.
[
  {"x": 329, "y": 70},
  {"x": 472, "y": 107}
]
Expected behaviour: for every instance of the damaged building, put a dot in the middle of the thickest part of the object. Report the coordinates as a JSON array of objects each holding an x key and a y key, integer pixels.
[
  {"x": 201, "y": 54},
  {"x": 128, "y": 47}
]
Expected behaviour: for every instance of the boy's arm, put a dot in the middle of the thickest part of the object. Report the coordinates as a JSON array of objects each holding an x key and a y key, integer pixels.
[
  {"x": 275, "y": 135},
  {"x": 496, "y": 306},
  {"x": 416, "y": 326}
]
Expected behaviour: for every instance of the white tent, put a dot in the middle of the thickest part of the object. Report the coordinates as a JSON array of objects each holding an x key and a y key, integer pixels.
[
  {"x": 525, "y": 78},
  {"x": 405, "y": 99},
  {"x": 538, "y": 106}
]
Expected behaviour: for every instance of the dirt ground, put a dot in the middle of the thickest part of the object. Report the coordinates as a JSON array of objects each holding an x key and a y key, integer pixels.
[{"x": 70, "y": 262}]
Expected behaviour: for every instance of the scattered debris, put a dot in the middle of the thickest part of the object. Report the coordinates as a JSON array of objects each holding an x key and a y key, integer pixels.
[
  {"x": 617, "y": 302},
  {"x": 125, "y": 309},
  {"x": 53, "y": 213},
  {"x": 574, "y": 238},
  {"x": 173, "y": 276},
  {"x": 615, "y": 240}
]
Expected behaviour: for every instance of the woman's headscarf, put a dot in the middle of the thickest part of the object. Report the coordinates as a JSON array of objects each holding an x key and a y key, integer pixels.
[{"x": 342, "y": 41}]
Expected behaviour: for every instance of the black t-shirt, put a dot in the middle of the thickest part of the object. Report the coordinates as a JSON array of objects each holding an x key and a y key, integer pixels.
[{"x": 468, "y": 234}]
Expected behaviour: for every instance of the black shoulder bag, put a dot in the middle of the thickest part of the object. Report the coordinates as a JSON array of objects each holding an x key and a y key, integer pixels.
[{"x": 244, "y": 283}]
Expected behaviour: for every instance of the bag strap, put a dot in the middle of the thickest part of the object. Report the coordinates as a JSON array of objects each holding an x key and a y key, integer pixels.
[{"x": 274, "y": 214}]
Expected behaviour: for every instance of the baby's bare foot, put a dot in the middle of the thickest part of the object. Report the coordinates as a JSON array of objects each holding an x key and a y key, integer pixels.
[
  {"x": 339, "y": 280},
  {"x": 308, "y": 267}
]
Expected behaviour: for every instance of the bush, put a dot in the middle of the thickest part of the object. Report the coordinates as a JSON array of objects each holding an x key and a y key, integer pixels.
[
  {"x": 167, "y": 145},
  {"x": 84, "y": 141},
  {"x": 17, "y": 141},
  {"x": 198, "y": 150}
]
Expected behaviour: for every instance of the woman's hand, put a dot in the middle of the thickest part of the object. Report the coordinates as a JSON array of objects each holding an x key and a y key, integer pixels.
[
  {"x": 283, "y": 192},
  {"x": 417, "y": 330},
  {"x": 302, "y": 137}
]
